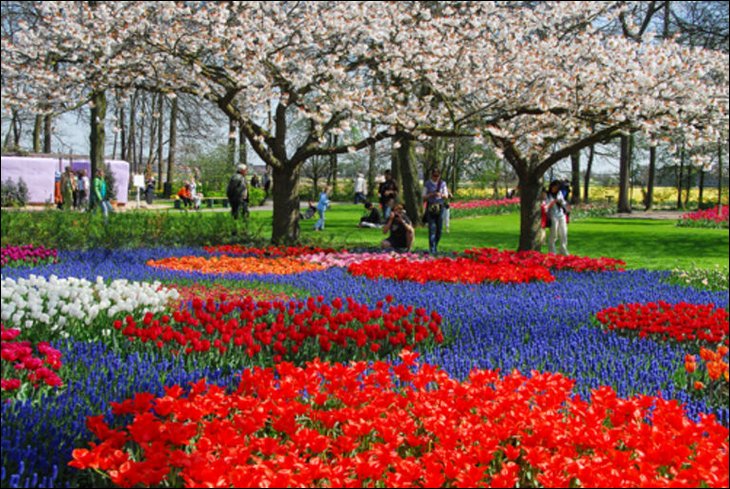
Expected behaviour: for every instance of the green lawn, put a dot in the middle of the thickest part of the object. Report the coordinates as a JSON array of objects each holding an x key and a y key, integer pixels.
[
  {"x": 642, "y": 243},
  {"x": 651, "y": 244}
]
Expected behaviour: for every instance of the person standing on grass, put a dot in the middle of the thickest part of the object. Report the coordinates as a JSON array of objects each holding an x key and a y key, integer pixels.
[
  {"x": 237, "y": 193},
  {"x": 322, "y": 206},
  {"x": 447, "y": 210},
  {"x": 83, "y": 187},
  {"x": 266, "y": 184},
  {"x": 149, "y": 191},
  {"x": 57, "y": 194},
  {"x": 387, "y": 190},
  {"x": 68, "y": 188},
  {"x": 557, "y": 210},
  {"x": 360, "y": 189},
  {"x": 101, "y": 194},
  {"x": 435, "y": 194}
]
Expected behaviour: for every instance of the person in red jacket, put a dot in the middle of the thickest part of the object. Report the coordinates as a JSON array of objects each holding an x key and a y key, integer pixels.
[{"x": 185, "y": 196}]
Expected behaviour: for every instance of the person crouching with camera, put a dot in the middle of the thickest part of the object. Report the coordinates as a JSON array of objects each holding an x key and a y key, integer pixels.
[{"x": 400, "y": 228}]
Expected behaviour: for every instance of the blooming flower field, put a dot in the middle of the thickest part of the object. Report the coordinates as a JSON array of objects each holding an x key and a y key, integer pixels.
[
  {"x": 25, "y": 255},
  {"x": 717, "y": 217},
  {"x": 454, "y": 383},
  {"x": 483, "y": 207}
]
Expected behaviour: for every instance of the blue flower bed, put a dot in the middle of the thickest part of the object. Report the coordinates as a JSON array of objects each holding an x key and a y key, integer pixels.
[{"x": 539, "y": 326}]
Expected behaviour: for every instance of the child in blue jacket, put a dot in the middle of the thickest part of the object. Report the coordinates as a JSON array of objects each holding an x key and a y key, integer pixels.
[{"x": 322, "y": 205}]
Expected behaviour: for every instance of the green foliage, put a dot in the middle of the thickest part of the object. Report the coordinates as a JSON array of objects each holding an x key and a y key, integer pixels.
[
  {"x": 12, "y": 194},
  {"x": 215, "y": 170},
  {"x": 702, "y": 223},
  {"x": 71, "y": 230},
  {"x": 255, "y": 195}
]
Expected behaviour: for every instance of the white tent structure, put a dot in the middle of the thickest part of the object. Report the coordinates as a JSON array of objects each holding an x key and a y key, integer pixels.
[{"x": 39, "y": 172}]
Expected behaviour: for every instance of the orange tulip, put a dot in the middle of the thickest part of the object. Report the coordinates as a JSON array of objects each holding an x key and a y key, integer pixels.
[{"x": 227, "y": 264}]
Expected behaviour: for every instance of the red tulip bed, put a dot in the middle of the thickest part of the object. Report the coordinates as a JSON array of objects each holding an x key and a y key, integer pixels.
[
  {"x": 716, "y": 217},
  {"x": 532, "y": 259},
  {"x": 406, "y": 425},
  {"x": 232, "y": 332},
  {"x": 454, "y": 270},
  {"x": 21, "y": 368},
  {"x": 704, "y": 328},
  {"x": 483, "y": 265},
  {"x": 680, "y": 322}
]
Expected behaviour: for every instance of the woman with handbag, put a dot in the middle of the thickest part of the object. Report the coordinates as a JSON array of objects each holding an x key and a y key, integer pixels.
[
  {"x": 435, "y": 194},
  {"x": 557, "y": 210}
]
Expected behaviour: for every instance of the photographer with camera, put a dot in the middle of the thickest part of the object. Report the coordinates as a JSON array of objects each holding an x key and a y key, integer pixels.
[
  {"x": 400, "y": 229},
  {"x": 557, "y": 209}
]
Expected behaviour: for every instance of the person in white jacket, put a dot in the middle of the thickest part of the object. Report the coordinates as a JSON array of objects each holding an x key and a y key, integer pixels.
[
  {"x": 361, "y": 189},
  {"x": 557, "y": 210}
]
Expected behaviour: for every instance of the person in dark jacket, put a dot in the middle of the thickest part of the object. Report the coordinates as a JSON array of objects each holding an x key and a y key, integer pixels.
[{"x": 237, "y": 193}]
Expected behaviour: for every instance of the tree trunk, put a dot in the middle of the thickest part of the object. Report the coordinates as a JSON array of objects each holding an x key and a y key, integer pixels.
[
  {"x": 98, "y": 134},
  {"x": 231, "y": 141},
  {"x": 242, "y": 148},
  {"x": 495, "y": 179},
  {"x": 132, "y": 146},
  {"x": 171, "y": 148},
  {"x": 680, "y": 177},
  {"x": 624, "y": 204},
  {"x": 411, "y": 196},
  {"x": 719, "y": 173},
  {"x": 37, "y": 133},
  {"x": 333, "y": 166},
  {"x": 47, "y": 131},
  {"x": 575, "y": 172},
  {"x": 587, "y": 176},
  {"x": 372, "y": 160},
  {"x": 395, "y": 165},
  {"x": 702, "y": 187},
  {"x": 114, "y": 146},
  {"x": 286, "y": 204},
  {"x": 123, "y": 134},
  {"x": 12, "y": 131},
  {"x": 649, "y": 201},
  {"x": 530, "y": 188},
  {"x": 153, "y": 136},
  {"x": 160, "y": 133},
  {"x": 689, "y": 185},
  {"x": 315, "y": 176},
  {"x": 455, "y": 170},
  {"x": 17, "y": 130},
  {"x": 139, "y": 161}
]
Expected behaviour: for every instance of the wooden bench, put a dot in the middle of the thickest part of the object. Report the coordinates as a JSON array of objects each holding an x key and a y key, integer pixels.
[
  {"x": 208, "y": 202},
  {"x": 211, "y": 202}
]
